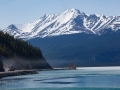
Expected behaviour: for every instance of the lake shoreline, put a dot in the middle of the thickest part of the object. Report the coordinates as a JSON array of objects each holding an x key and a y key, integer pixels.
[
  {"x": 17, "y": 73},
  {"x": 27, "y": 72},
  {"x": 35, "y": 71}
]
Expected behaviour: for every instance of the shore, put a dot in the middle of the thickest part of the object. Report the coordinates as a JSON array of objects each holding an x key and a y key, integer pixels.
[
  {"x": 17, "y": 73},
  {"x": 26, "y": 72}
]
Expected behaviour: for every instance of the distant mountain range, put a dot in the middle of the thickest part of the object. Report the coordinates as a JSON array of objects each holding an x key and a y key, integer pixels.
[
  {"x": 70, "y": 21},
  {"x": 74, "y": 37}
]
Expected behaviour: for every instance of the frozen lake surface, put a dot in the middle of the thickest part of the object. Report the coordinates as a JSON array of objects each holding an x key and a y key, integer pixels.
[{"x": 85, "y": 78}]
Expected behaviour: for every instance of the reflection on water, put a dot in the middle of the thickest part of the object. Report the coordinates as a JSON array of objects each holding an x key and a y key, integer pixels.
[{"x": 90, "y": 78}]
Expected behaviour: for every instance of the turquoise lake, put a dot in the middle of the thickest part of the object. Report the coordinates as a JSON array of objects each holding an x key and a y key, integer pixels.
[{"x": 89, "y": 78}]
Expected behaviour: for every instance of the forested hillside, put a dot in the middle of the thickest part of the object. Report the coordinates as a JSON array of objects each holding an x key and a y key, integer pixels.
[
  {"x": 10, "y": 46},
  {"x": 20, "y": 54}
]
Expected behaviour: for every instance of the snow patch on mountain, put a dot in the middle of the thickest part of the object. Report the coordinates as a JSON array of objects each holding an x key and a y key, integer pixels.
[{"x": 70, "y": 21}]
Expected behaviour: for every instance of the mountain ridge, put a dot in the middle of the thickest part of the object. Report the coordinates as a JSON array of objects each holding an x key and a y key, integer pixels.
[
  {"x": 70, "y": 21},
  {"x": 86, "y": 50}
]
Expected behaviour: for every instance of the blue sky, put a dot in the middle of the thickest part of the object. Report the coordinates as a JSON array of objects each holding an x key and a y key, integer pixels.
[{"x": 24, "y": 11}]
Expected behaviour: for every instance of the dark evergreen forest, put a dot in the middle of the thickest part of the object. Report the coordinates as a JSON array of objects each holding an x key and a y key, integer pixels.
[{"x": 10, "y": 46}]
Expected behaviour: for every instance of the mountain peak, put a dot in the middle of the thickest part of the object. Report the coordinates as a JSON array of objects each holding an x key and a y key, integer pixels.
[
  {"x": 12, "y": 26},
  {"x": 73, "y": 10}
]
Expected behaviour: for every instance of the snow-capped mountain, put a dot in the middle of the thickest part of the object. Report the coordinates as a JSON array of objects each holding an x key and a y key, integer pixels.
[{"x": 69, "y": 22}]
